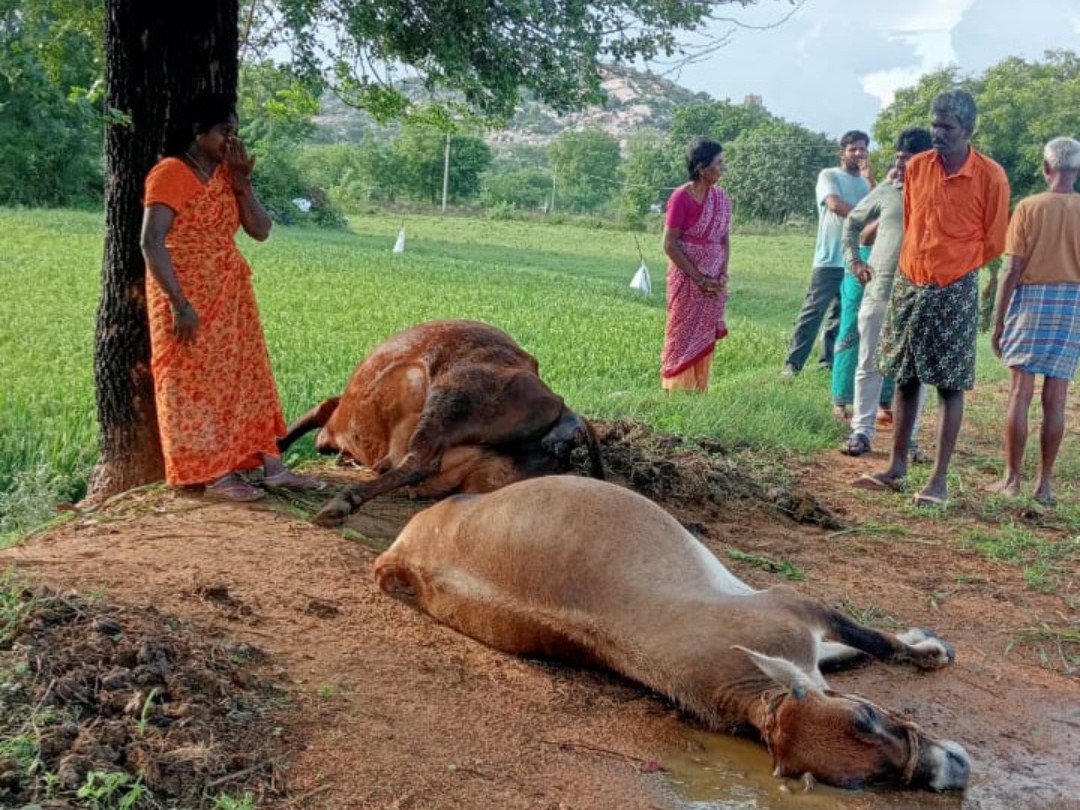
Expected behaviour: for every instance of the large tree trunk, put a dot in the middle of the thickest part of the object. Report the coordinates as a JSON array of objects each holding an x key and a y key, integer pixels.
[{"x": 159, "y": 55}]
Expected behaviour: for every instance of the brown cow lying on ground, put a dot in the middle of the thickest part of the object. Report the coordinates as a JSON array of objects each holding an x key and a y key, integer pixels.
[
  {"x": 587, "y": 572},
  {"x": 443, "y": 407}
]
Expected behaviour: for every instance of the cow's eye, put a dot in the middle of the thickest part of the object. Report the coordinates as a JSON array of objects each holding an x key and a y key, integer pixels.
[{"x": 866, "y": 720}]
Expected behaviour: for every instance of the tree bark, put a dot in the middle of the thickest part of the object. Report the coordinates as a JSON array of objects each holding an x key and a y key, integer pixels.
[{"x": 159, "y": 56}]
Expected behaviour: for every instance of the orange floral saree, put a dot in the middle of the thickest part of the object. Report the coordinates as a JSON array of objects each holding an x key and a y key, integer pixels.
[{"x": 217, "y": 405}]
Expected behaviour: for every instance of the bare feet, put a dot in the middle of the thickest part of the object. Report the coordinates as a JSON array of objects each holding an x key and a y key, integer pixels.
[{"x": 1009, "y": 487}]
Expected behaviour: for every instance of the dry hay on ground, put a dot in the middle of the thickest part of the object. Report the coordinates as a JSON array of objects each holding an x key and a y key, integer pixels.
[{"x": 664, "y": 468}]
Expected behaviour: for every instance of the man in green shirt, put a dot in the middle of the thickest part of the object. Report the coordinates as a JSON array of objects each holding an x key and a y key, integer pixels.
[{"x": 885, "y": 204}]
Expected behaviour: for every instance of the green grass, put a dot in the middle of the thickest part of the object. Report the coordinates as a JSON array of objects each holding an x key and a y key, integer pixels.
[
  {"x": 1044, "y": 560},
  {"x": 782, "y": 568},
  {"x": 328, "y": 297}
]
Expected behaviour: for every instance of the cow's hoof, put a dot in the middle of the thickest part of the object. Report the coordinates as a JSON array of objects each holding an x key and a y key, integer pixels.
[
  {"x": 928, "y": 649},
  {"x": 334, "y": 514}
]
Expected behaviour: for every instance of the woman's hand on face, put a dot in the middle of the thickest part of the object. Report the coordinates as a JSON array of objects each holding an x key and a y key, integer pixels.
[
  {"x": 185, "y": 323},
  {"x": 240, "y": 165}
]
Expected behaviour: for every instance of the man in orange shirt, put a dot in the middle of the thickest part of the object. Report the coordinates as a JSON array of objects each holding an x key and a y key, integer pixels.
[{"x": 956, "y": 213}]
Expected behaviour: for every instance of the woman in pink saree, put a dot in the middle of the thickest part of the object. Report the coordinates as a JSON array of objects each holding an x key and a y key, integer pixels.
[{"x": 696, "y": 242}]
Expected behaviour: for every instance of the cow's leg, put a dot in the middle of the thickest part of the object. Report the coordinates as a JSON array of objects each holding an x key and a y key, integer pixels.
[
  {"x": 410, "y": 471},
  {"x": 834, "y": 655},
  {"x": 921, "y": 647},
  {"x": 446, "y": 419}
]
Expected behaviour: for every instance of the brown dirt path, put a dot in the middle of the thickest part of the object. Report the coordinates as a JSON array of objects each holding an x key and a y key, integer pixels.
[{"x": 395, "y": 711}]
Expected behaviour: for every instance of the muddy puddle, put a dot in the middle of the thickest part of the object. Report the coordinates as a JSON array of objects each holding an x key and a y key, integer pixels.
[{"x": 721, "y": 772}]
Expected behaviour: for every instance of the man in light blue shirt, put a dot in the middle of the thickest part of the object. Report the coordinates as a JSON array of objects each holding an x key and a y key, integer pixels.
[{"x": 838, "y": 189}]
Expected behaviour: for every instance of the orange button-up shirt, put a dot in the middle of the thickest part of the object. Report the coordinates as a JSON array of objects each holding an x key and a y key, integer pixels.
[{"x": 952, "y": 224}]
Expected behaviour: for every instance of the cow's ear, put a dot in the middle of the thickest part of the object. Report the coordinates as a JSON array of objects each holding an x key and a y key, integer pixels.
[{"x": 785, "y": 673}]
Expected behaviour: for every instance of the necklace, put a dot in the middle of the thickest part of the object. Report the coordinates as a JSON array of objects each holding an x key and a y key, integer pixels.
[{"x": 197, "y": 166}]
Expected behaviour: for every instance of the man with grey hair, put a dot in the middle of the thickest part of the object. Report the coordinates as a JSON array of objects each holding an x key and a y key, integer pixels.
[
  {"x": 956, "y": 213},
  {"x": 1037, "y": 314}
]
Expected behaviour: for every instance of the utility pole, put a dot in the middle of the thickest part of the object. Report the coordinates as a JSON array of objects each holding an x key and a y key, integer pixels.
[{"x": 446, "y": 173}]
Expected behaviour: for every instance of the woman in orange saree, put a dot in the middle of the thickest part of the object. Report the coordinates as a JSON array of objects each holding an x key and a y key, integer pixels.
[
  {"x": 217, "y": 404},
  {"x": 696, "y": 243}
]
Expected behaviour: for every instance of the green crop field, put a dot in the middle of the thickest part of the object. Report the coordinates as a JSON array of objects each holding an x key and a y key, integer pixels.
[{"x": 327, "y": 297}]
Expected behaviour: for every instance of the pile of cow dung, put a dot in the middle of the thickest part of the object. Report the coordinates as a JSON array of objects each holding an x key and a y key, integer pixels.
[
  {"x": 106, "y": 693},
  {"x": 667, "y": 468}
]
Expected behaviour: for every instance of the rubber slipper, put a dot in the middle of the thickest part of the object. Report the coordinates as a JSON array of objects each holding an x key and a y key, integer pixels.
[
  {"x": 287, "y": 479},
  {"x": 234, "y": 489},
  {"x": 874, "y": 483},
  {"x": 923, "y": 499}
]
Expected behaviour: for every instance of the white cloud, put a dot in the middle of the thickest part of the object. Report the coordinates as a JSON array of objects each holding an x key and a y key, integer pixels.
[
  {"x": 927, "y": 29},
  {"x": 932, "y": 15},
  {"x": 934, "y": 50}
]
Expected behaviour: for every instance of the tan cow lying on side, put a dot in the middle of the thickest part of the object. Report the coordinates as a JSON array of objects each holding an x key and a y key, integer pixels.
[
  {"x": 587, "y": 572},
  {"x": 443, "y": 407}
]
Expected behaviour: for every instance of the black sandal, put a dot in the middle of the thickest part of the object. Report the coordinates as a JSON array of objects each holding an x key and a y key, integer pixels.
[{"x": 856, "y": 445}]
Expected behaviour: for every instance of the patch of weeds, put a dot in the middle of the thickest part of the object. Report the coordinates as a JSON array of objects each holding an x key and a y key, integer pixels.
[
  {"x": 784, "y": 567},
  {"x": 146, "y": 712},
  {"x": 111, "y": 790},
  {"x": 30, "y": 501},
  {"x": 326, "y": 691},
  {"x": 1063, "y": 644},
  {"x": 1039, "y": 558},
  {"x": 375, "y": 544},
  {"x": 874, "y": 530},
  {"x": 247, "y": 802},
  {"x": 113, "y": 707},
  {"x": 14, "y": 608},
  {"x": 1070, "y": 515},
  {"x": 871, "y": 615}
]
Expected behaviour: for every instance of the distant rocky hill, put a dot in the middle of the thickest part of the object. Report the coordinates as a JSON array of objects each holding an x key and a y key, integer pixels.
[{"x": 635, "y": 100}]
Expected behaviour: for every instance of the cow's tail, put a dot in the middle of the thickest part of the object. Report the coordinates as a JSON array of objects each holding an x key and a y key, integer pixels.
[
  {"x": 596, "y": 461},
  {"x": 317, "y": 417}
]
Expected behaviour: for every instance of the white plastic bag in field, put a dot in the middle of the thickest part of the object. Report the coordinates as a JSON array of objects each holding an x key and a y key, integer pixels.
[
  {"x": 641, "y": 280},
  {"x": 399, "y": 245}
]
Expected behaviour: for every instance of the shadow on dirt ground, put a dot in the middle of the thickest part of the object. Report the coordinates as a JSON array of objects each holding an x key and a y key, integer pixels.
[{"x": 223, "y": 649}]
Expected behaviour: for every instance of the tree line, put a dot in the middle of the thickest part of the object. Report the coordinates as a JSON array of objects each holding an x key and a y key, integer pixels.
[{"x": 52, "y": 121}]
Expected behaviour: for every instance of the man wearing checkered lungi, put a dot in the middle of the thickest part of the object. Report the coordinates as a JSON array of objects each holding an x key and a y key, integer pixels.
[
  {"x": 1037, "y": 314},
  {"x": 956, "y": 212}
]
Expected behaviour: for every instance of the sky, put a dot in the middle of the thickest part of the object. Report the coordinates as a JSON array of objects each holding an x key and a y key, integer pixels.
[{"x": 833, "y": 64}]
